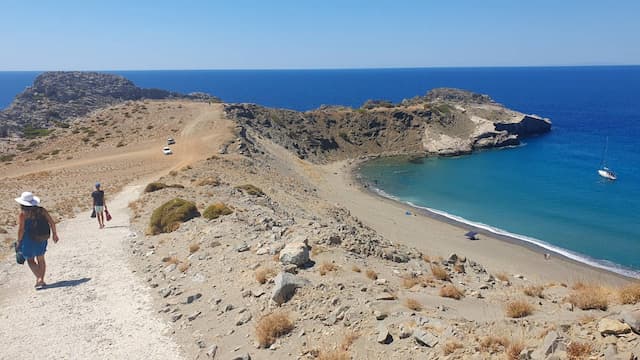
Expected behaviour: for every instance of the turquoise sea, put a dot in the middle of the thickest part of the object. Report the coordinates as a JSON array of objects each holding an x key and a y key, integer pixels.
[{"x": 546, "y": 191}]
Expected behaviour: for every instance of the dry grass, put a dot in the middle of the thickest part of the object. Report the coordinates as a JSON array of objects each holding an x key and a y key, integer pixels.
[
  {"x": 534, "y": 291},
  {"x": 208, "y": 181},
  {"x": 317, "y": 250},
  {"x": 193, "y": 248},
  {"x": 426, "y": 259},
  {"x": 588, "y": 296},
  {"x": 348, "y": 340},
  {"x": 171, "y": 260},
  {"x": 451, "y": 346},
  {"x": 371, "y": 274},
  {"x": 518, "y": 309},
  {"x": 355, "y": 268},
  {"x": 263, "y": 274},
  {"x": 450, "y": 291},
  {"x": 459, "y": 268},
  {"x": 629, "y": 294},
  {"x": 502, "y": 276},
  {"x": 440, "y": 273},
  {"x": 334, "y": 355},
  {"x": 183, "y": 267},
  {"x": 327, "y": 267},
  {"x": 577, "y": 350},
  {"x": 513, "y": 350},
  {"x": 272, "y": 326},
  {"x": 413, "y": 304},
  {"x": 494, "y": 343}
]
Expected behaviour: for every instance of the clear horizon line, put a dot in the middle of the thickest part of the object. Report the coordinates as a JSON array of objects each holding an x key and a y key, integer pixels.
[{"x": 342, "y": 68}]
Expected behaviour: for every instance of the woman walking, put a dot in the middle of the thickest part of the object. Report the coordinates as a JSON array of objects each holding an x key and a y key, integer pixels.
[
  {"x": 99, "y": 205},
  {"x": 34, "y": 227}
]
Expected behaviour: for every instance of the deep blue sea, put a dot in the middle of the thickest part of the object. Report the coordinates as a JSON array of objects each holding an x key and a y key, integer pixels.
[{"x": 546, "y": 191}]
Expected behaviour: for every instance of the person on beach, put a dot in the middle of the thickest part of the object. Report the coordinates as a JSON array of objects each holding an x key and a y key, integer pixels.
[
  {"x": 31, "y": 241},
  {"x": 99, "y": 205}
]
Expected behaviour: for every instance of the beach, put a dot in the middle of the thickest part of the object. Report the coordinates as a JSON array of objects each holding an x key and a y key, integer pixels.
[{"x": 439, "y": 236}]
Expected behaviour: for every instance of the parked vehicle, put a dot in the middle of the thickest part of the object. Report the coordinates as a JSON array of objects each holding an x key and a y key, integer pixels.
[
  {"x": 170, "y": 141},
  {"x": 166, "y": 150}
]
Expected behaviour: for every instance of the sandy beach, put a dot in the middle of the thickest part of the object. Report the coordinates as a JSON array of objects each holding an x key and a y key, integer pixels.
[{"x": 440, "y": 237}]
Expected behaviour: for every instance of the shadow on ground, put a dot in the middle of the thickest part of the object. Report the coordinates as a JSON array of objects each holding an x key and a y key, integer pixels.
[{"x": 66, "y": 283}]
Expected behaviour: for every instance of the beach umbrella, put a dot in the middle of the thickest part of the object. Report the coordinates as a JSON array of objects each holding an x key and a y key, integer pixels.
[{"x": 471, "y": 235}]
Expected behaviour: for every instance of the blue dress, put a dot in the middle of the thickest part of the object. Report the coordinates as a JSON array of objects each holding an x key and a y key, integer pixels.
[{"x": 29, "y": 247}]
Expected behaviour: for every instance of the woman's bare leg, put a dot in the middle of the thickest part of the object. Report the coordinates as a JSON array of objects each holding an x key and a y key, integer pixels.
[
  {"x": 42, "y": 265},
  {"x": 35, "y": 268}
]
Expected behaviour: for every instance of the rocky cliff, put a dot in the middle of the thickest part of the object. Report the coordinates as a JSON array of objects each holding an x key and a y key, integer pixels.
[
  {"x": 443, "y": 122},
  {"x": 56, "y": 97}
]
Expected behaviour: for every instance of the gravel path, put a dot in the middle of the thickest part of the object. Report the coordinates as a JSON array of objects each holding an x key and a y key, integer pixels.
[{"x": 94, "y": 306}]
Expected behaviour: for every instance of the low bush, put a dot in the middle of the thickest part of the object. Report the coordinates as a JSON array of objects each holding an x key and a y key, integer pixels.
[
  {"x": 413, "y": 304},
  {"x": 577, "y": 350},
  {"x": 450, "y": 291},
  {"x": 216, "y": 210},
  {"x": 494, "y": 343},
  {"x": 263, "y": 274},
  {"x": 326, "y": 267},
  {"x": 451, "y": 346},
  {"x": 630, "y": 294},
  {"x": 171, "y": 214},
  {"x": 155, "y": 186},
  {"x": 250, "y": 189},
  {"x": 272, "y": 326},
  {"x": 514, "y": 349},
  {"x": 589, "y": 297},
  {"x": 208, "y": 181},
  {"x": 518, "y": 309},
  {"x": 440, "y": 273},
  {"x": 372, "y": 274},
  {"x": 534, "y": 291}
]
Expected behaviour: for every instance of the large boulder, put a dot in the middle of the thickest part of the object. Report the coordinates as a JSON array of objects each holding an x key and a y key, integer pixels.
[
  {"x": 632, "y": 318},
  {"x": 285, "y": 286},
  {"x": 612, "y": 327},
  {"x": 296, "y": 253}
]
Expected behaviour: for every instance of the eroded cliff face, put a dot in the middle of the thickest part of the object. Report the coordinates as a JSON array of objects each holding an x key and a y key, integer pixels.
[
  {"x": 58, "y": 96},
  {"x": 444, "y": 122}
]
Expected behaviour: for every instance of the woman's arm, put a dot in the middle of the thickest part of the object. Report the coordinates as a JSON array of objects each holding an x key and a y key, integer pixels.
[
  {"x": 20, "y": 227},
  {"x": 52, "y": 224}
]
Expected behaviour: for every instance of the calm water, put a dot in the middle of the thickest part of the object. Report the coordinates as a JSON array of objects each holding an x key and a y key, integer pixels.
[{"x": 547, "y": 190}]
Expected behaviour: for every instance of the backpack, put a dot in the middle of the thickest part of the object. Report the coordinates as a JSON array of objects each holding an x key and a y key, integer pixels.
[{"x": 40, "y": 230}]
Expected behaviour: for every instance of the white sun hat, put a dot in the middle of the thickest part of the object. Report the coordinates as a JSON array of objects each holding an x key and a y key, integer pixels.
[{"x": 28, "y": 199}]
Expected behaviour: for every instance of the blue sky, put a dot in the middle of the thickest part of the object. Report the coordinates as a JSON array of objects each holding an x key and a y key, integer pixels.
[{"x": 263, "y": 34}]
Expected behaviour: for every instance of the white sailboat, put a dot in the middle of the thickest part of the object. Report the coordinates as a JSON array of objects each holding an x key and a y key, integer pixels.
[{"x": 604, "y": 171}]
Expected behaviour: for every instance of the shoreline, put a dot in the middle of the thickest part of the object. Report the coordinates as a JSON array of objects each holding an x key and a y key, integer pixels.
[
  {"x": 536, "y": 245},
  {"x": 429, "y": 231}
]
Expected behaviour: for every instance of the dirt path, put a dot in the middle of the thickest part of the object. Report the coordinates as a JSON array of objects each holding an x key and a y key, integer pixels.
[{"x": 94, "y": 307}]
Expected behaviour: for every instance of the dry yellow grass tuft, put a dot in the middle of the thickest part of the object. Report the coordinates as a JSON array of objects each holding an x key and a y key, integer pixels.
[
  {"x": 183, "y": 267},
  {"x": 577, "y": 350},
  {"x": 513, "y": 350},
  {"x": 193, "y": 248},
  {"x": 272, "y": 326},
  {"x": 334, "y": 355},
  {"x": 629, "y": 294},
  {"x": 451, "y": 346},
  {"x": 589, "y": 296},
  {"x": 413, "y": 304},
  {"x": 534, "y": 291},
  {"x": 371, "y": 274},
  {"x": 450, "y": 291},
  {"x": 355, "y": 268},
  {"x": 263, "y": 274},
  {"x": 502, "y": 276},
  {"x": 171, "y": 260},
  {"x": 327, "y": 267},
  {"x": 494, "y": 343},
  {"x": 518, "y": 309},
  {"x": 426, "y": 259},
  {"x": 317, "y": 250},
  {"x": 459, "y": 268},
  {"x": 348, "y": 340},
  {"x": 440, "y": 273}
]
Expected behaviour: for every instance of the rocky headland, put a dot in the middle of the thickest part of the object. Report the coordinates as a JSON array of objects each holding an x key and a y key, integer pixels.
[
  {"x": 443, "y": 122},
  {"x": 59, "y": 96}
]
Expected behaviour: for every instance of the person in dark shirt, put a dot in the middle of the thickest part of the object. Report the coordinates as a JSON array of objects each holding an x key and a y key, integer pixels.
[{"x": 99, "y": 205}]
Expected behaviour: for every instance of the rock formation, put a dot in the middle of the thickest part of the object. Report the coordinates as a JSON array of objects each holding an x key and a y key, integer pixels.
[
  {"x": 444, "y": 122},
  {"x": 56, "y": 97}
]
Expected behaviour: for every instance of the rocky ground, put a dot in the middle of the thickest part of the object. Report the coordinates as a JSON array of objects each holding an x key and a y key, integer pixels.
[{"x": 348, "y": 292}]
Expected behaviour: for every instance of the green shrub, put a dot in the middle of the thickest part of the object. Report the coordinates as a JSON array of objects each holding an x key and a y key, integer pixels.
[
  {"x": 171, "y": 214},
  {"x": 30, "y": 132},
  {"x": 7, "y": 157},
  {"x": 155, "y": 186},
  {"x": 216, "y": 210},
  {"x": 250, "y": 189}
]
